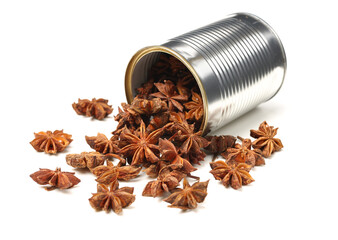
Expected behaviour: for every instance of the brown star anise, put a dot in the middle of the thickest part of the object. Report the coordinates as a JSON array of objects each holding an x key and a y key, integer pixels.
[
  {"x": 182, "y": 84},
  {"x": 97, "y": 108},
  {"x": 56, "y": 179},
  {"x": 265, "y": 139},
  {"x": 168, "y": 93},
  {"x": 145, "y": 89},
  {"x": 102, "y": 144},
  {"x": 148, "y": 107},
  {"x": 167, "y": 180},
  {"x": 113, "y": 197},
  {"x": 195, "y": 107},
  {"x": 51, "y": 142},
  {"x": 141, "y": 145},
  {"x": 109, "y": 173},
  {"x": 169, "y": 153},
  {"x": 86, "y": 159},
  {"x": 186, "y": 134},
  {"x": 189, "y": 196},
  {"x": 219, "y": 144},
  {"x": 231, "y": 175},
  {"x": 127, "y": 118},
  {"x": 244, "y": 154}
]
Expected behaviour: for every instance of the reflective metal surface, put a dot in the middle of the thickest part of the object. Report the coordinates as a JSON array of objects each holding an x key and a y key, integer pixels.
[{"x": 238, "y": 63}]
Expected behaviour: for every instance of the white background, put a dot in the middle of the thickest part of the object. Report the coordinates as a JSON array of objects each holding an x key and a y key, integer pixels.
[{"x": 53, "y": 52}]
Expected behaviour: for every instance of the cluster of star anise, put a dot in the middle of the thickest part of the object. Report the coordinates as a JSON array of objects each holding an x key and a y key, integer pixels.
[
  {"x": 159, "y": 132},
  {"x": 241, "y": 158}
]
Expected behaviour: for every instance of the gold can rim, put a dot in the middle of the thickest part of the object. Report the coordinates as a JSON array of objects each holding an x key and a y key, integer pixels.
[{"x": 151, "y": 49}]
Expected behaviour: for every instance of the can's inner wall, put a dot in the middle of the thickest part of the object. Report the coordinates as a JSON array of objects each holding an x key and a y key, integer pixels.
[{"x": 141, "y": 70}]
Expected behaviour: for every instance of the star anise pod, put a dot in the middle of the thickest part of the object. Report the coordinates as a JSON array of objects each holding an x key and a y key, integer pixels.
[
  {"x": 97, "y": 108},
  {"x": 186, "y": 134},
  {"x": 113, "y": 197},
  {"x": 182, "y": 83},
  {"x": 148, "y": 107},
  {"x": 102, "y": 144},
  {"x": 265, "y": 139},
  {"x": 168, "y": 93},
  {"x": 167, "y": 180},
  {"x": 242, "y": 153},
  {"x": 161, "y": 66},
  {"x": 169, "y": 153},
  {"x": 86, "y": 159},
  {"x": 145, "y": 89},
  {"x": 126, "y": 118},
  {"x": 159, "y": 120},
  {"x": 152, "y": 170},
  {"x": 195, "y": 107},
  {"x": 219, "y": 144},
  {"x": 231, "y": 175},
  {"x": 189, "y": 196},
  {"x": 56, "y": 179},
  {"x": 109, "y": 173},
  {"x": 51, "y": 142},
  {"x": 141, "y": 145}
]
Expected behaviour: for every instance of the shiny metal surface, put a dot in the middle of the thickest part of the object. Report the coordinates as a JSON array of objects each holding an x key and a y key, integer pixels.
[{"x": 238, "y": 62}]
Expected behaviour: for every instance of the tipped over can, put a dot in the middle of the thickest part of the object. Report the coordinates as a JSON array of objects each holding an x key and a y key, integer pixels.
[{"x": 238, "y": 63}]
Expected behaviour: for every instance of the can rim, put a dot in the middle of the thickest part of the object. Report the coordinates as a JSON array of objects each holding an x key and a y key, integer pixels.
[{"x": 151, "y": 49}]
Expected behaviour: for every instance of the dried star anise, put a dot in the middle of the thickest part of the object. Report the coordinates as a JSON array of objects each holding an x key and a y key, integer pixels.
[
  {"x": 189, "y": 196},
  {"x": 231, "y": 175},
  {"x": 141, "y": 145},
  {"x": 219, "y": 144},
  {"x": 167, "y": 180},
  {"x": 169, "y": 153},
  {"x": 186, "y": 134},
  {"x": 102, "y": 144},
  {"x": 109, "y": 173},
  {"x": 148, "y": 107},
  {"x": 86, "y": 159},
  {"x": 167, "y": 92},
  {"x": 51, "y": 142},
  {"x": 97, "y": 108},
  {"x": 56, "y": 179},
  {"x": 113, "y": 197},
  {"x": 244, "y": 154},
  {"x": 265, "y": 139},
  {"x": 195, "y": 107},
  {"x": 127, "y": 118}
]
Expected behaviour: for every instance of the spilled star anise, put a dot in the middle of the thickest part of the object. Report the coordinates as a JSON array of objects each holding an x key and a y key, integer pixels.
[
  {"x": 195, "y": 107},
  {"x": 189, "y": 196},
  {"x": 110, "y": 173},
  {"x": 86, "y": 159},
  {"x": 168, "y": 179},
  {"x": 51, "y": 142},
  {"x": 231, "y": 175},
  {"x": 56, "y": 179},
  {"x": 97, "y": 108},
  {"x": 242, "y": 153},
  {"x": 167, "y": 92},
  {"x": 219, "y": 144},
  {"x": 140, "y": 146},
  {"x": 169, "y": 153},
  {"x": 265, "y": 139},
  {"x": 112, "y": 198}
]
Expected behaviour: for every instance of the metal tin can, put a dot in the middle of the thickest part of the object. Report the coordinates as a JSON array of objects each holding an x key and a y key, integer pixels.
[{"x": 238, "y": 63}]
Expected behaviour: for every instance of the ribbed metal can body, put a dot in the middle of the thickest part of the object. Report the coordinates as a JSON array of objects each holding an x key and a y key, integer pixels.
[{"x": 238, "y": 63}]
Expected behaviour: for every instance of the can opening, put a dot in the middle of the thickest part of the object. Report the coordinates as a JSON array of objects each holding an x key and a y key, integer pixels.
[{"x": 141, "y": 69}]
